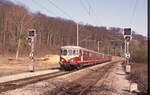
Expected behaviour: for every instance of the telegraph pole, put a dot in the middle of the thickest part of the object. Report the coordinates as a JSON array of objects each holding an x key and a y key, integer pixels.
[
  {"x": 121, "y": 51},
  {"x": 125, "y": 47},
  {"x": 98, "y": 46},
  {"x": 77, "y": 34}
]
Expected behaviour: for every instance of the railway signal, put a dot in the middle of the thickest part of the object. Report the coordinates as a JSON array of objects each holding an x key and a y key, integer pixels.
[
  {"x": 31, "y": 37},
  {"x": 127, "y": 31},
  {"x": 127, "y": 38},
  {"x": 127, "y": 34},
  {"x": 32, "y": 32}
]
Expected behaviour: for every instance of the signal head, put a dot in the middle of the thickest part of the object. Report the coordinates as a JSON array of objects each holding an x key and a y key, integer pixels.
[
  {"x": 127, "y": 31},
  {"x": 128, "y": 38},
  {"x": 32, "y": 32}
]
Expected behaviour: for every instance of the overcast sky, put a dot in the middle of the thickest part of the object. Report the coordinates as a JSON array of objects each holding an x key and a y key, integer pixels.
[{"x": 108, "y": 13}]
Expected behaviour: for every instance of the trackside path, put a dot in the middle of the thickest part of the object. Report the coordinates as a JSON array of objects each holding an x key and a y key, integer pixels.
[
  {"x": 115, "y": 83},
  {"x": 24, "y": 75},
  {"x": 120, "y": 83}
]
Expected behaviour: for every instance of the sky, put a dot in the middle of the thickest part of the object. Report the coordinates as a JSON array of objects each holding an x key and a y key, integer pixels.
[{"x": 108, "y": 13}]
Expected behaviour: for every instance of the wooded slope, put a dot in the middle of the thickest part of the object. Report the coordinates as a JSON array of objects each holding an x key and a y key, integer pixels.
[{"x": 16, "y": 20}]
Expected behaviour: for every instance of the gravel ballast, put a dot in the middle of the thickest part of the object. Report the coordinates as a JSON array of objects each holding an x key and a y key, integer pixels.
[{"x": 44, "y": 87}]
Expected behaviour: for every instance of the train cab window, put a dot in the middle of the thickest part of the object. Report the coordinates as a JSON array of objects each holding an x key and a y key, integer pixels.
[{"x": 64, "y": 52}]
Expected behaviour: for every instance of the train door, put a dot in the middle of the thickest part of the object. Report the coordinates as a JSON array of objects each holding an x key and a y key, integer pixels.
[{"x": 82, "y": 55}]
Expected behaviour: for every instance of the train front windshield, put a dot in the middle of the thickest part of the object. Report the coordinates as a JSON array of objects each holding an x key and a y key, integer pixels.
[
  {"x": 69, "y": 52},
  {"x": 63, "y": 52}
]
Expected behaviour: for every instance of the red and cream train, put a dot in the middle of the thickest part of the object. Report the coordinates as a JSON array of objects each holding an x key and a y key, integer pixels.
[{"x": 75, "y": 56}]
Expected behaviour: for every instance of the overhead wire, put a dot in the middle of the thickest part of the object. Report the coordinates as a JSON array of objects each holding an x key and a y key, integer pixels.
[
  {"x": 43, "y": 7},
  {"x": 132, "y": 16},
  {"x": 87, "y": 11},
  {"x": 94, "y": 14},
  {"x": 61, "y": 10}
]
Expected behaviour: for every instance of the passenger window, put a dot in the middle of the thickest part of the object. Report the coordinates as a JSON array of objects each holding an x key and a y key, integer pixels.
[
  {"x": 81, "y": 52},
  {"x": 77, "y": 52},
  {"x": 85, "y": 54},
  {"x": 74, "y": 52},
  {"x": 89, "y": 54},
  {"x": 69, "y": 52}
]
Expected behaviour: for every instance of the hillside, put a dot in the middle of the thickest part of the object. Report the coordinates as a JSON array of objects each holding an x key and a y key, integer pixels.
[{"x": 52, "y": 33}]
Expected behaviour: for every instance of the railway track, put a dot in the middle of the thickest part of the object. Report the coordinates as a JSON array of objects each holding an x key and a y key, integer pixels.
[
  {"x": 83, "y": 84},
  {"x": 80, "y": 85},
  {"x": 6, "y": 86},
  {"x": 11, "y": 85}
]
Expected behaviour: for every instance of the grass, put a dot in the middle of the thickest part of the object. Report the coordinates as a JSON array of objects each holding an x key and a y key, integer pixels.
[{"x": 140, "y": 71}]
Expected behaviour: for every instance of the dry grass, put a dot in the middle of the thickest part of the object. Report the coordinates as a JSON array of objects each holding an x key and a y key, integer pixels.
[
  {"x": 140, "y": 71},
  {"x": 50, "y": 59},
  {"x": 8, "y": 67}
]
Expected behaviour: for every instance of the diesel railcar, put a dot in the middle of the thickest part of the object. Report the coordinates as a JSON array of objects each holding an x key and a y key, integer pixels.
[{"x": 75, "y": 56}]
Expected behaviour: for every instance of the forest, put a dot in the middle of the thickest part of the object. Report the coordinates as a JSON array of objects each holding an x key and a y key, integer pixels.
[{"x": 52, "y": 33}]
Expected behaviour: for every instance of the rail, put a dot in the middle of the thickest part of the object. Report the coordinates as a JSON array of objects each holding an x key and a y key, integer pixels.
[
  {"x": 23, "y": 82},
  {"x": 84, "y": 83}
]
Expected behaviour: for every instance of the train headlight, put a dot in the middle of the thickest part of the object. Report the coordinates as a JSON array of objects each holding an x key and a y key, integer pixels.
[
  {"x": 62, "y": 60},
  {"x": 72, "y": 60}
]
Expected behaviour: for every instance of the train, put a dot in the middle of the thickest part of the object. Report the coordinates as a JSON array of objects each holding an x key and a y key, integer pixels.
[{"x": 72, "y": 57}]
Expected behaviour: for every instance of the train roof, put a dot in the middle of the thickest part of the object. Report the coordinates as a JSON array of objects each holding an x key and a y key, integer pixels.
[
  {"x": 78, "y": 47},
  {"x": 70, "y": 47}
]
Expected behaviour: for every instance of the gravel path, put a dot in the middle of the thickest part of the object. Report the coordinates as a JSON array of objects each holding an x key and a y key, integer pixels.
[
  {"x": 114, "y": 83},
  {"x": 25, "y": 75}
]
